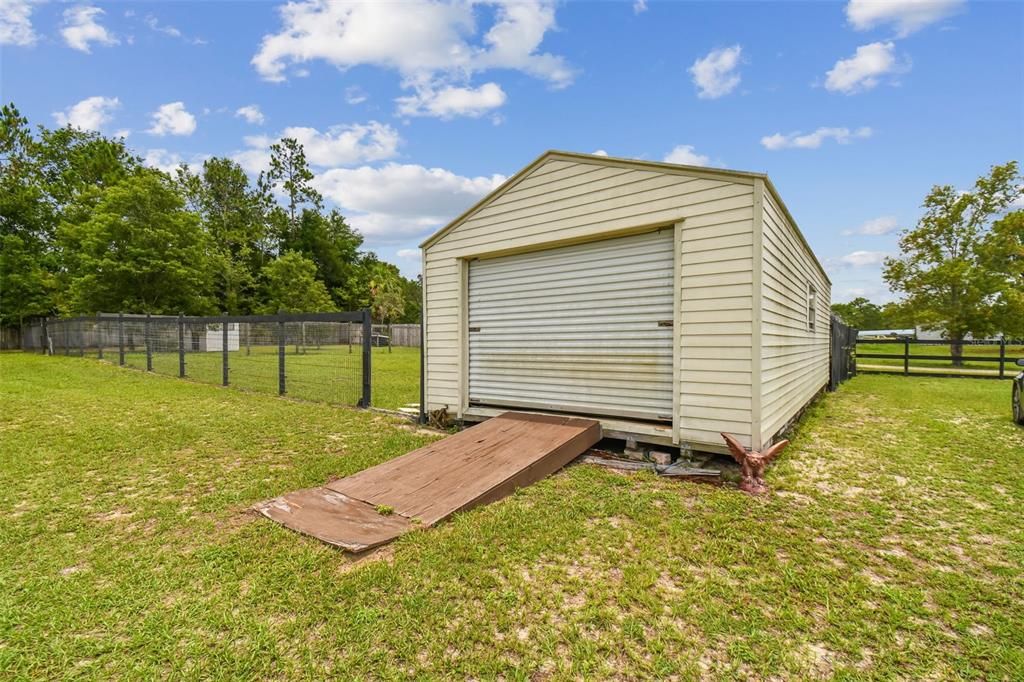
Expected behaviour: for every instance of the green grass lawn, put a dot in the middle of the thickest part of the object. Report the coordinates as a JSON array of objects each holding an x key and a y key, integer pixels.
[
  {"x": 891, "y": 546},
  {"x": 987, "y": 351},
  {"x": 328, "y": 374}
]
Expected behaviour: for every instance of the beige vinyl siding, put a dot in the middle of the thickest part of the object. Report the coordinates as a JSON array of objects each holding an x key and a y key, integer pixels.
[
  {"x": 794, "y": 360},
  {"x": 567, "y": 201}
]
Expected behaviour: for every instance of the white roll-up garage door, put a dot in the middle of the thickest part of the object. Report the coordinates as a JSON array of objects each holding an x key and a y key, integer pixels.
[{"x": 584, "y": 328}]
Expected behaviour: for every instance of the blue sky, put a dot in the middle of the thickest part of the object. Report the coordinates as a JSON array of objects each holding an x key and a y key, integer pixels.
[{"x": 411, "y": 111}]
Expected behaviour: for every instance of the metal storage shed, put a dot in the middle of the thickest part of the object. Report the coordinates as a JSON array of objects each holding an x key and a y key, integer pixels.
[{"x": 670, "y": 302}]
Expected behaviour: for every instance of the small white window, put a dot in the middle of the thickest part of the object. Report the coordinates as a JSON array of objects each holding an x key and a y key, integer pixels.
[{"x": 812, "y": 306}]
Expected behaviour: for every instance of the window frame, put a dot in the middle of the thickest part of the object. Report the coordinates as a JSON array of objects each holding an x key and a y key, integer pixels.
[{"x": 812, "y": 307}]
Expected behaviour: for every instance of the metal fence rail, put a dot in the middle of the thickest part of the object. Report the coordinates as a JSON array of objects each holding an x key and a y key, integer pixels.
[{"x": 316, "y": 356}]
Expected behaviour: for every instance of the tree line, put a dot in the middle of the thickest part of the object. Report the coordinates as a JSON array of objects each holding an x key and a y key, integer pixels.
[
  {"x": 960, "y": 269},
  {"x": 86, "y": 227}
]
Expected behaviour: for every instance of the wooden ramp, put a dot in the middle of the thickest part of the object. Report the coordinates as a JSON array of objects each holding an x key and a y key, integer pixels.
[{"x": 479, "y": 465}]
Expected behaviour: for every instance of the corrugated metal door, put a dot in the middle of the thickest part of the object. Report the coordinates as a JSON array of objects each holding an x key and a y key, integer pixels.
[{"x": 584, "y": 328}]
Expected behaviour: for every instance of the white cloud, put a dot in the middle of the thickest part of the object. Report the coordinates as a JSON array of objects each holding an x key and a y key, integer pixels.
[
  {"x": 401, "y": 201},
  {"x": 451, "y": 101},
  {"x": 862, "y": 259},
  {"x": 715, "y": 74},
  {"x": 166, "y": 29},
  {"x": 172, "y": 119},
  {"x": 347, "y": 144},
  {"x": 906, "y": 16},
  {"x": 355, "y": 95},
  {"x": 340, "y": 145},
  {"x": 256, "y": 158},
  {"x": 16, "y": 23},
  {"x": 863, "y": 70},
  {"x": 875, "y": 227},
  {"x": 81, "y": 27},
  {"x": 813, "y": 140},
  {"x": 639, "y": 6},
  {"x": 173, "y": 31},
  {"x": 91, "y": 113},
  {"x": 599, "y": 152},
  {"x": 409, "y": 254},
  {"x": 686, "y": 155},
  {"x": 430, "y": 44},
  {"x": 168, "y": 162},
  {"x": 872, "y": 289},
  {"x": 251, "y": 113}
]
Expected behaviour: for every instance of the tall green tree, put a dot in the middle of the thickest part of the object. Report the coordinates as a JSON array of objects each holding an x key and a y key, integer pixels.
[
  {"x": 860, "y": 313},
  {"x": 290, "y": 285},
  {"x": 1003, "y": 253},
  {"x": 139, "y": 250},
  {"x": 47, "y": 178},
  {"x": 942, "y": 272},
  {"x": 27, "y": 259},
  {"x": 27, "y": 285},
  {"x": 387, "y": 300},
  {"x": 75, "y": 162},
  {"x": 412, "y": 292},
  {"x": 331, "y": 244},
  {"x": 896, "y": 316},
  {"x": 289, "y": 174},
  {"x": 232, "y": 214}
]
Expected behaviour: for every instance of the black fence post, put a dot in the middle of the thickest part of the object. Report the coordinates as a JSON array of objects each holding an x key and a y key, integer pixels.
[
  {"x": 906, "y": 357},
  {"x": 149, "y": 345},
  {"x": 99, "y": 335},
  {"x": 367, "y": 341},
  {"x": 224, "y": 348},
  {"x": 81, "y": 337},
  {"x": 67, "y": 337},
  {"x": 280, "y": 357},
  {"x": 181, "y": 346},
  {"x": 120, "y": 339},
  {"x": 45, "y": 339},
  {"x": 1002, "y": 357}
]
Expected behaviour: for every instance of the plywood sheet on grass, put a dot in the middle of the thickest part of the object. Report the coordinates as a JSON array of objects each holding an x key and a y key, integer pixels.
[{"x": 477, "y": 466}]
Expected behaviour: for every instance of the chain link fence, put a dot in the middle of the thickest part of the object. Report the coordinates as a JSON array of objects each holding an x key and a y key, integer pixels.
[{"x": 324, "y": 357}]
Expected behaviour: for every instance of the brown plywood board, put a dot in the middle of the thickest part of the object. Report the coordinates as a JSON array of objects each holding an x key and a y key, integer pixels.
[
  {"x": 477, "y": 466},
  {"x": 334, "y": 518}
]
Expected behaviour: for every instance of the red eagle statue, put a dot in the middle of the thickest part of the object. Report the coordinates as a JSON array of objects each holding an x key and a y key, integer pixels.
[{"x": 753, "y": 463}]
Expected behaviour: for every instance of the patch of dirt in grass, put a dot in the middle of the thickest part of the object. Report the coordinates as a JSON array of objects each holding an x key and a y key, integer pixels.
[
  {"x": 113, "y": 515},
  {"x": 799, "y": 498},
  {"x": 873, "y": 577},
  {"x": 980, "y": 630},
  {"x": 353, "y": 562},
  {"x": 667, "y": 584},
  {"x": 422, "y": 430},
  {"x": 819, "y": 658},
  {"x": 237, "y": 520}
]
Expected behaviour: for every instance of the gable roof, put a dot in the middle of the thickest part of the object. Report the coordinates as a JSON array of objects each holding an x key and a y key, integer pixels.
[{"x": 697, "y": 171}]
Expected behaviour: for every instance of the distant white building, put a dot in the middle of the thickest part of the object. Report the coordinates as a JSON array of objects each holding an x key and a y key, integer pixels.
[
  {"x": 940, "y": 335},
  {"x": 213, "y": 340},
  {"x": 885, "y": 333}
]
